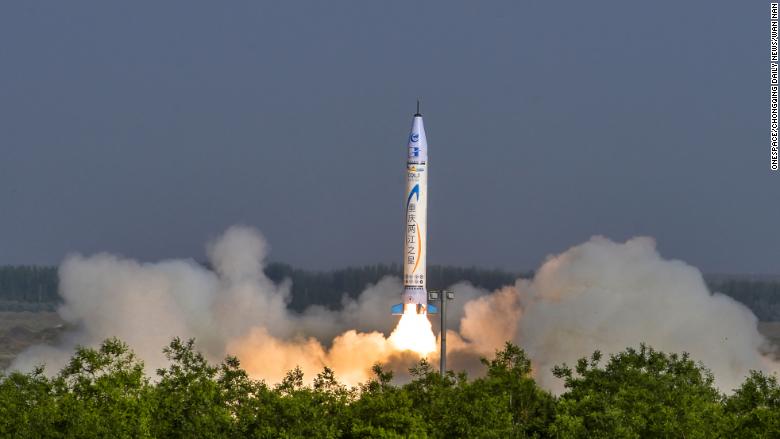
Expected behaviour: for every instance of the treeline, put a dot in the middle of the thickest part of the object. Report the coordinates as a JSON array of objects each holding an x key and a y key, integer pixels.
[
  {"x": 35, "y": 287},
  {"x": 328, "y": 287},
  {"x": 636, "y": 393},
  {"x": 762, "y": 297},
  {"x": 28, "y": 288},
  {"x": 28, "y": 283},
  {"x": 20, "y": 285}
]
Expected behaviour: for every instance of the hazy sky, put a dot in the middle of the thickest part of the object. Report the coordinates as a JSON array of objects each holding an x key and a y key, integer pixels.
[{"x": 147, "y": 128}]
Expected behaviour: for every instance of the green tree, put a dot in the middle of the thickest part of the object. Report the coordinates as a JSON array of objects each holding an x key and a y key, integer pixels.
[
  {"x": 247, "y": 401},
  {"x": 384, "y": 411},
  {"x": 188, "y": 401},
  {"x": 454, "y": 407},
  {"x": 103, "y": 393},
  {"x": 753, "y": 411},
  {"x": 300, "y": 411},
  {"x": 509, "y": 374},
  {"x": 637, "y": 394},
  {"x": 28, "y": 407}
]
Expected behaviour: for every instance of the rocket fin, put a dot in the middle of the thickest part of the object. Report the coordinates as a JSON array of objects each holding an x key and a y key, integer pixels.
[{"x": 397, "y": 309}]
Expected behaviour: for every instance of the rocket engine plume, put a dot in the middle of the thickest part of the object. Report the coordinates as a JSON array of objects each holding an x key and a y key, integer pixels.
[{"x": 413, "y": 332}]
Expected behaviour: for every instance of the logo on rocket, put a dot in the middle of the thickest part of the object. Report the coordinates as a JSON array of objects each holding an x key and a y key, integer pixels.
[{"x": 415, "y": 191}]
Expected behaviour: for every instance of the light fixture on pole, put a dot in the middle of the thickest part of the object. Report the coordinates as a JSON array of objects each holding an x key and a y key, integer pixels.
[{"x": 442, "y": 296}]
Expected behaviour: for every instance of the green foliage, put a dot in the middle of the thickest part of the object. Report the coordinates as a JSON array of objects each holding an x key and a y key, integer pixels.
[
  {"x": 384, "y": 411},
  {"x": 450, "y": 407},
  {"x": 103, "y": 393},
  {"x": 188, "y": 401},
  {"x": 506, "y": 403},
  {"x": 638, "y": 393},
  {"x": 753, "y": 411},
  {"x": 302, "y": 411},
  {"x": 532, "y": 408},
  {"x": 28, "y": 405},
  {"x": 100, "y": 393}
]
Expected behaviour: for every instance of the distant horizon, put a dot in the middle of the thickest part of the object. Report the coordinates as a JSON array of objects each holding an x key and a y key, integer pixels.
[{"x": 724, "y": 276}]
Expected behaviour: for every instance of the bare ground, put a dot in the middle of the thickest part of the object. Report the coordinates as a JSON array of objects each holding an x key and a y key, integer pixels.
[
  {"x": 771, "y": 330},
  {"x": 19, "y": 330}
]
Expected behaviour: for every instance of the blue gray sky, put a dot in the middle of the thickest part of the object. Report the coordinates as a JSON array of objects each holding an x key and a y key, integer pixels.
[{"x": 146, "y": 128}]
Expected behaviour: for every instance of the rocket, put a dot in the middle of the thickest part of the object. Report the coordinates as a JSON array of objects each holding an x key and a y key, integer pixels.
[{"x": 416, "y": 228}]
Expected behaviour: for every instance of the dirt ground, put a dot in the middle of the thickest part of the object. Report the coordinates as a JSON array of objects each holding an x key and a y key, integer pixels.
[
  {"x": 18, "y": 330},
  {"x": 771, "y": 330}
]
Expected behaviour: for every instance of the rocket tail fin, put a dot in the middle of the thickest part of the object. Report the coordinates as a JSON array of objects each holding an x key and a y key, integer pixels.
[{"x": 398, "y": 309}]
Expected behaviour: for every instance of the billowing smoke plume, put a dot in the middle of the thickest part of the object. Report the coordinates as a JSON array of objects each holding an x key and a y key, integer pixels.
[
  {"x": 598, "y": 295},
  {"x": 233, "y": 310},
  {"x": 608, "y": 296}
]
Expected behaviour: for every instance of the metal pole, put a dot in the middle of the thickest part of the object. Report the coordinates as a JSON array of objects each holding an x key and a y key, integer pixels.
[{"x": 443, "y": 356}]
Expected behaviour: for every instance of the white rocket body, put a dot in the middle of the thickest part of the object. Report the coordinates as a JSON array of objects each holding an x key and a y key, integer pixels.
[{"x": 416, "y": 226}]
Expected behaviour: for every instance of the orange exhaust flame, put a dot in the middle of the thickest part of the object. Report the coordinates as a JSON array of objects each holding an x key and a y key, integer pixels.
[{"x": 414, "y": 332}]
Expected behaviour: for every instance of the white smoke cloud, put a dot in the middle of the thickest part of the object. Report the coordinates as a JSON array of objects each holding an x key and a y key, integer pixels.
[
  {"x": 608, "y": 296},
  {"x": 598, "y": 295},
  {"x": 233, "y": 310}
]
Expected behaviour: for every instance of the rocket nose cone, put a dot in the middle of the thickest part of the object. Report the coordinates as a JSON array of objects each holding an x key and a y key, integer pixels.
[{"x": 418, "y": 146}]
